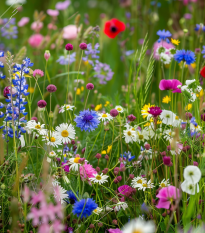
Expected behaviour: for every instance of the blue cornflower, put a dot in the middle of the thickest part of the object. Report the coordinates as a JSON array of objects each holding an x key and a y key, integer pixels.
[
  {"x": 71, "y": 196},
  {"x": 199, "y": 26},
  {"x": 163, "y": 35},
  {"x": 1, "y": 64},
  {"x": 84, "y": 207},
  {"x": 128, "y": 156},
  {"x": 1, "y": 54},
  {"x": 183, "y": 55},
  {"x": 203, "y": 51},
  {"x": 87, "y": 120}
]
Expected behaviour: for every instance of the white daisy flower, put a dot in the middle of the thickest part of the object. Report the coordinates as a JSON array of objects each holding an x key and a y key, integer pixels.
[
  {"x": 52, "y": 154},
  {"x": 165, "y": 58},
  {"x": 51, "y": 140},
  {"x": 142, "y": 135},
  {"x": 32, "y": 126},
  {"x": 164, "y": 183},
  {"x": 129, "y": 135},
  {"x": 146, "y": 185},
  {"x": 192, "y": 174},
  {"x": 168, "y": 134},
  {"x": 48, "y": 159},
  {"x": 137, "y": 182},
  {"x": 65, "y": 132},
  {"x": 119, "y": 108},
  {"x": 167, "y": 117},
  {"x": 190, "y": 187},
  {"x": 59, "y": 193},
  {"x": 160, "y": 50},
  {"x": 105, "y": 116},
  {"x": 66, "y": 107},
  {"x": 98, "y": 210},
  {"x": 139, "y": 225},
  {"x": 74, "y": 163},
  {"x": 120, "y": 205},
  {"x": 100, "y": 179},
  {"x": 177, "y": 122}
]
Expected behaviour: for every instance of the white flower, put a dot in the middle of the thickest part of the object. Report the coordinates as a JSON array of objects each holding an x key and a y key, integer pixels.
[
  {"x": 137, "y": 182},
  {"x": 140, "y": 226},
  {"x": 120, "y": 205},
  {"x": 164, "y": 183},
  {"x": 193, "y": 97},
  {"x": 119, "y": 108},
  {"x": 146, "y": 185},
  {"x": 52, "y": 154},
  {"x": 195, "y": 128},
  {"x": 192, "y": 174},
  {"x": 66, "y": 107},
  {"x": 167, "y": 134},
  {"x": 12, "y": 2},
  {"x": 65, "y": 133},
  {"x": 105, "y": 116},
  {"x": 74, "y": 163},
  {"x": 22, "y": 141},
  {"x": 167, "y": 117},
  {"x": 48, "y": 159},
  {"x": 36, "y": 127},
  {"x": 198, "y": 89},
  {"x": 142, "y": 135},
  {"x": 100, "y": 179},
  {"x": 98, "y": 210},
  {"x": 160, "y": 50},
  {"x": 190, "y": 187},
  {"x": 129, "y": 135},
  {"x": 188, "y": 82},
  {"x": 177, "y": 122},
  {"x": 51, "y": 140},
  {"x": 165, "y": 58},
  {"x": 59, "y": 193}
]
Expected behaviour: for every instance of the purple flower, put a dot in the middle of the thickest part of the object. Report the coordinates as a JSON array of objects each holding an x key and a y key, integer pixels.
[
  {"x": 64, "y": 60},
  {"x": 114, "y": 112},
  {"x": 89, "y": 86},
  {"x": 155, "y": 111},
  {"x": 62, "y": 5},
  {"x": 83, "y": 46},
  {"x": 90, "y": 52},
  {"x": 69, "y": 47},
  {"x": 166, "y": 160},
  {"x": 131, "y": 117},
  {"x": 171, "y": 84},
  {"x": 51, "y": 88},
  {"x": 203, "y": 51},
  {"x": 42, "y": 103},
  {"x": 165, "y": 195},
  {"x": 163, "y": 35},
  {"x": 187, "y": 16},
  {"x": 103, "y": 72},
  {"x": 9, "y": 28}
]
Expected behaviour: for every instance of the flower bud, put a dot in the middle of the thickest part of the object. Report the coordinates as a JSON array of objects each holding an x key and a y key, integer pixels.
[{"x": 47, "y": 55}]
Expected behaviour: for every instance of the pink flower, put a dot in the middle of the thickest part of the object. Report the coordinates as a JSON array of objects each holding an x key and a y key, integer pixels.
[
  {"x": 171, "y": 84},
  {"x": 62, "y": 5},
  {"x": 38, "y": 73},
  {"x": 58, "y": 227},
  {"x": 125, "y": 190},
  {"x": 187, "y": 1},
  {"x": 35, "y": 40},
  {"x": 87, "y": 171},
  {"x": 159, "y": 44},
  {"x": 165, "y": 195},
  {"x": 52, "y": 13},
  {"x": 117, "y": 230},
  {"x": 26, "y": 194},
  {"x": 44, "y": 228},
  {"x": 70, "y": 32},
  {"x": 36, "y": 26},
  {"x": 23, "y": 21}
]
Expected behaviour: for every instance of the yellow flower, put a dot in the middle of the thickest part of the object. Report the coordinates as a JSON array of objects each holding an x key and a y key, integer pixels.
[
  {"x": 107, "y": 103},
  {"x": 103, "y": 152},
  {"x": 31, "y": 90},
  {"x": 78, "y": 91},
  {"x": 109, "y": 148},
  {"x": 188, "y": 107},
  {"x": 159, "y": 122},
  {"x": 176, "y": 42},
  {"x": 98, "y": 107},
  {"x": 147, "y": 124},
  {"x": 166, "y": 99},
  {"x": 145, "y": 110},
  {"x": 193, "y": 65},
  {"x": 86, "y": 62},
  {"x": 82, "y": 88},
  {"x": 200, "y": 94}
]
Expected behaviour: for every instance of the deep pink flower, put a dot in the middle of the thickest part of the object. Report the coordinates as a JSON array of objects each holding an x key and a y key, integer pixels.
[
  {"x": 155, "y": 111},
  {"x": 83, "y": 46},
  {"x": 170, "y": 84},
  {"x": 65, "y": 167},
  {"x": 35, "y": 40},
  {"x": 87, "y": 171},
  {"x": 62, "y": 5},
  {"x": 131, "y": 117},
  {"x": 165, "y": 195},
  {"x": 117, "y": 230},
  {"x": 125, "y": 190},
  {"x": 159, "y": 44},
  {"x": 42, "y": 103},
  {"x": 114, "y": 112},
  {"x": 52, "y": 13},
  {"x": 6, "y": 91},
  {"x": 23, "y": 21},
  {"x": 70, "y": 32},
  {"x": 38, "y": 73},
  {"x": 69, "y": 47},
  {"x": 51, "y": 88},
  {"x": 166, "y": 160},
  {"x": 89, "y": 86}
]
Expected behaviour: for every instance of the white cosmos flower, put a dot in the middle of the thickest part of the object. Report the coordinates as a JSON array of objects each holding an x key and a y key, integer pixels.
[
  {"x": 192, "y": 174},
  {"x": 98, "y": 210},
  {"x": 190, "y": 187},
  {"x": 140, "y": 226},
  {"x": 167, "y": 117},
  {"x": 105, "y": 116},
  {"x": 65, "y": 132},
  {"x": 59, "y": 192},
  {"x": 100, "y": 179},
  {"x": 120, "y": 205},
  {"x": 74, "y": 162},
  {"x": 129, "y": 135},
  {"x": 119, "y": 108},
  {"x": 165, "y": 58},
  {"x": 66, "y": 107},
  {"x": 32, "y": 126},
  {"x": 137, "y": 182},
  {"x": 164, "y": 183},
  {"x": 51, "y": 140}
]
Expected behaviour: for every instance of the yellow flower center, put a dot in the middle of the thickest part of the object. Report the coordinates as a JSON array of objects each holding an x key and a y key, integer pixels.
[
  {"x": 129, "y": 133},
  {"x": 67, "y": 107},
  {"x": 104, "y": 115},
  {"x": 144, "y": 185},
  {"x": 37, "y": 126},
  {"x": 119, "y": 109},
  {"x": 95, "y": 210},
  {"x": 98, "y": 177},
  {"x": 141, "y": 137},
  {"x": 76, "y": 160},
  {"x": 53, "y": 139},
  {"x": 163, "y": 185},
  {"x": 139, "y": 181},
  {"x": 137, "y": 231},
  {"x": 176, "y": 118},
  {"x": 64, "y": 133}
]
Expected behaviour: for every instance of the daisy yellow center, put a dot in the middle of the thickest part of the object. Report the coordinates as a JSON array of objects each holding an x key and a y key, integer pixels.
[
  {"x": 53, "y": 139},
  {"x": 104, "y": 115},
  {"x": 119, "y": 109},
  {"x": 144, "y": 185},
  {"x": 139, "y": 181},
  {"x": 137, "y": 231},
  {"x": 95, "y": 210},
  {"x": 133, "y": 129},
  {"x": 76, "y": 160},
  {"x": 52, "y": 153},
  {"x": 163, "y": 185},
  {"x": 129, "y": 133},
  {"x": 176, "y": 118},
  {"x": 67, "y": 107},
  {"x": 141, "y": 137},
  {"x": 64, "y": 133},
  {"x": 37, "y": 126},
  {"x": 98, "y": 177},
  {"x": 170, "y": 133}
]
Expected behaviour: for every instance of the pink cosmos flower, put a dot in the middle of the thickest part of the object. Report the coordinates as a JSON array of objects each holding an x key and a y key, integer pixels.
[
  {"x": 62, "y": 5},
  {"x": 35, "y": 40},
  {"x": 36, "y": 26},
  {"x": 23, "y": 21},
  {"x": 125, "y": 190},
  {"x": 165, "y": 196},
  {"x": 170, "y": 84},
  {"x": 52, "y": 13},
  {"x": 70, "y": 32},
  {"x": 117, "y": 230},
  {"x": 159, "y": 44},
  {"x": 87, "y": 171}
]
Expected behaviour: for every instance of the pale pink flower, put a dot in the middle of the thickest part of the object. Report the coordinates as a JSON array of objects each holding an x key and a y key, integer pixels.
[
  {"x": 44, "y": 228},
  {"x": 159, "y": 44},
  {"x": 87, "y": 171},
  {"x": 62, "y": 5},
  {"x": 70, "y": 32},
  {"x": 35, "y": 40},
  {"x": 23, "y": 21},
  {"x": 36, "y": 26},
  {"x": 38, "y": 73},
  {"x": 26, "y": 194},
  {"x": 52, "y": 13},
  {"x": 58, "y": 227}
]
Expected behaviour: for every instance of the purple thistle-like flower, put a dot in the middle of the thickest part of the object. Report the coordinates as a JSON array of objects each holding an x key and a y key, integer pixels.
[
  {"x": 91, "y": 53},
  {"x": 87, "y": 120},
  {"x": 9, "y": 28},
  {"x": 155, "y": 111},
  {"x": 163, "y": 35},
  {"x": 103, "y": 72},
  {"x": 64, "y": 60}
]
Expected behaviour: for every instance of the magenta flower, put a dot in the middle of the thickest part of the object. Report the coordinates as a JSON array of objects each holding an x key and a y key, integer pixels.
[
  {"x": 87, "y": 171},
  {"x": 125, "y": 190},
  {"x": 117, "y": 230},
  {"x": 166, "y": 195},
  {"x": 155, "y": 111},
  {"x": 171, "y": 84}
]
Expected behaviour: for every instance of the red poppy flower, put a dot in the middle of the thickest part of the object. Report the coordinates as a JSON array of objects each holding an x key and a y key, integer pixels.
[
  {"x": 202, "y": 72},
  {"x": 113, "y": 27}
]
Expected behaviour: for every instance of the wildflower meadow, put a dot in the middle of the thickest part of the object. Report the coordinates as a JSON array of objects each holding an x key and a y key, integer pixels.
[{"x": 102, "y": 116}]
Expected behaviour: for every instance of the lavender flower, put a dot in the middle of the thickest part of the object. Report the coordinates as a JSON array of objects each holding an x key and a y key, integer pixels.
[
  {"x": 203, "y": 51},
  {"x": 64, "y": 60},
  {"x": 103, "y": 72},
  {"x": 9, "y": 28},
  {"x": 2, "y": 65},
  {"x": 90, "y": 52}
]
